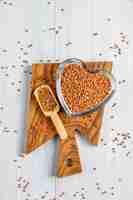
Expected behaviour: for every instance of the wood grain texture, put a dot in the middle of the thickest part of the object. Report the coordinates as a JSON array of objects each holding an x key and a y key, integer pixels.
[
  {"x": 40, "y": 129},
  {"x": 69, "y": 159}
]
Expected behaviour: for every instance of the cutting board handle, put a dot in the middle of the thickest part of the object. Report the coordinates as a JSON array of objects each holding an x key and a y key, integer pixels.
[{"x": 69, "y": 159}]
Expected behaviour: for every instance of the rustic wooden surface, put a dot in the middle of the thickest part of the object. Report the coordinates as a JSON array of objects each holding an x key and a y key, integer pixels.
[{"x": 40, "y": 128}]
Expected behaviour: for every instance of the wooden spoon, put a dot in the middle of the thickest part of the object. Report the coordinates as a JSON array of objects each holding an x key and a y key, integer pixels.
[{"x": 50, "y": 107}]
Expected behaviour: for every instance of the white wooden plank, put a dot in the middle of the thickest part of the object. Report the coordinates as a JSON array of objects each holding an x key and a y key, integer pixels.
[{"x": 44, "y": 30}]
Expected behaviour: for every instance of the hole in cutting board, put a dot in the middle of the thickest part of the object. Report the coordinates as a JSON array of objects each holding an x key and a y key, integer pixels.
[{"x": 68, "y": 162}]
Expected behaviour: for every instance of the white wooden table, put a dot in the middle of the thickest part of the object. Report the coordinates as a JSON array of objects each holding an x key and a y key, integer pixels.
[{"x": 37, "y": 31}]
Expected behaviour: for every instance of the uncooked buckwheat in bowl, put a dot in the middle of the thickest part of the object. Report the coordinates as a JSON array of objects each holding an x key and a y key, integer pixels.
[{"x": 80, "y": 91}]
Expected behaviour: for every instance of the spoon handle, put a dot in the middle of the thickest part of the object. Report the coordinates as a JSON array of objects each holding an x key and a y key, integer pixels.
[{"x": 59, "y": 125}]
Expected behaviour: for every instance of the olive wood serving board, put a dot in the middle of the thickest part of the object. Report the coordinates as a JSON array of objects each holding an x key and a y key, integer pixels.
[{"x": 40, "y": 128}]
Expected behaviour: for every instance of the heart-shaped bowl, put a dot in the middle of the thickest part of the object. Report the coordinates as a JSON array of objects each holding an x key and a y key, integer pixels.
[{"x": 61, "y": 98}]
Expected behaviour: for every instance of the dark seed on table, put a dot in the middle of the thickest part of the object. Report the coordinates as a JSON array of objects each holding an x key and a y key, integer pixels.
[
  {"x": 29, "y": 46},
  {"x": 114, "y": 104},
  {"x": 97, "y": 183},
  {"x": 43, "y": 197},
  {"x": 104, "y": 192},
  {"x": 95, "y": 34},
  {"x": 109, "y": 19},
  {"x": 119, "y": 179},
  {"x": 56, "y": 31},
  {"x": 98, "y": 188},
  {"x": 112, "y": 194}
]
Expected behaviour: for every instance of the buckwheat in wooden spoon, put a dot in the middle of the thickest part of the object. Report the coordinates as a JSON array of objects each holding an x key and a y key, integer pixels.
[{"x": 50, "y": 107}]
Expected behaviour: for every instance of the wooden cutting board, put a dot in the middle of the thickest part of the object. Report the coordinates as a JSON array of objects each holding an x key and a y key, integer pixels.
[{"x": 40, "y": 129}]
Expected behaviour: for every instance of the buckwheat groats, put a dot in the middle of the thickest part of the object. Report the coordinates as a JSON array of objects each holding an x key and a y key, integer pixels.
[
  {"x": 46, "y": 99},
  {"x": 83, "y": 90}
]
